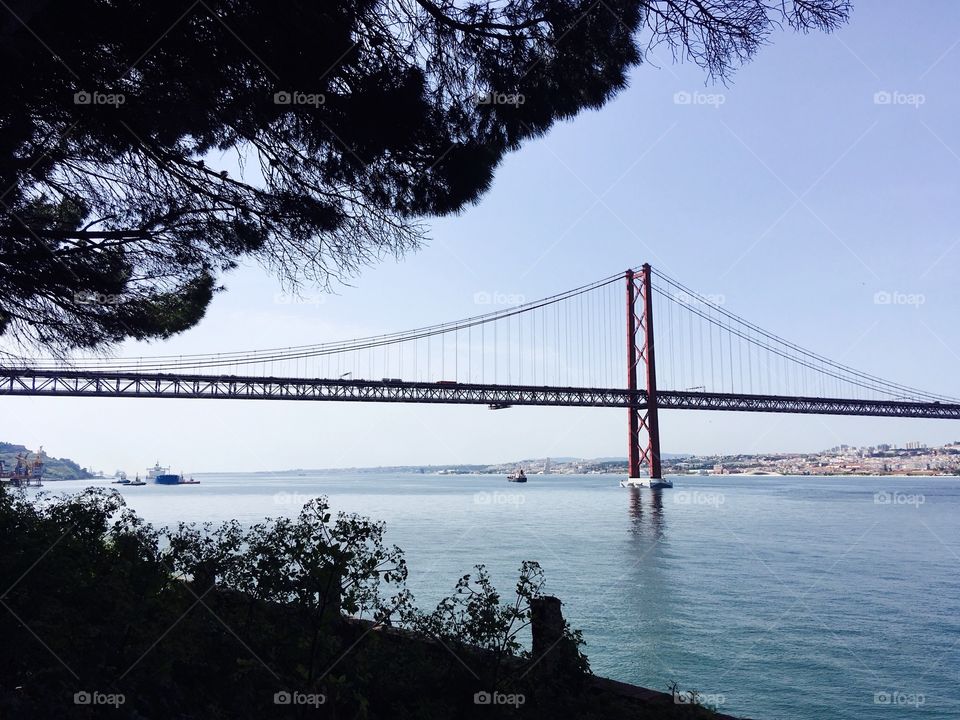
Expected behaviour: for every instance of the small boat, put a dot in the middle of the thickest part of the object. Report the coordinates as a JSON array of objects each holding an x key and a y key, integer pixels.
[
  {"x": 652, "y": 483},
  {"x": 121, "y": 478},
  {"x": 137, "y": 481},
  {"x": 518, "y": 476}
]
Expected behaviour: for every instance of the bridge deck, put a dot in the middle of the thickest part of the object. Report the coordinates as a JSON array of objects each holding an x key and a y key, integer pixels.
[{"x": 100, "y": 384}]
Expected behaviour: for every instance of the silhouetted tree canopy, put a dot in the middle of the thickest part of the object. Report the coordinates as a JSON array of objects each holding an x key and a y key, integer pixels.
[{"x": 351, "y": 120}]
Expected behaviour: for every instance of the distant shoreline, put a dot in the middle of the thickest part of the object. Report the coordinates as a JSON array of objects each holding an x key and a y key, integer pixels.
[{"x": 415, "y": 471}]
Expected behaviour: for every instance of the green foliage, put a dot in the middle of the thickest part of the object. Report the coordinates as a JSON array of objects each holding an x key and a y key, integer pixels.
[
  {"x": 215, "y": 622},
  {"x": 475, "y": 614}
]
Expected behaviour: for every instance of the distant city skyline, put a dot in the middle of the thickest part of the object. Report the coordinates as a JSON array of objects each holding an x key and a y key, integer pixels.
[{"x": 818, "y": 195}]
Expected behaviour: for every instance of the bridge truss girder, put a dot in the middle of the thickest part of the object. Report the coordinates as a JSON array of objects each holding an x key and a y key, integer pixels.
[
  {"x": 81, "y": 384},
  {"x": 679, "y": 400},
  {"x": 36, "y": 383}
]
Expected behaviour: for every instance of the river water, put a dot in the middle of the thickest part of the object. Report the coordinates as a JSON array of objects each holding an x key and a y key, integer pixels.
[{"x": 800, "y": 598}]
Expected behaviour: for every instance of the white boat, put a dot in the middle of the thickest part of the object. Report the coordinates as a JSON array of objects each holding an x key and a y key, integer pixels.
[
  {"x": 156, "y": 470},
  {"x": 652, "y": 483}
]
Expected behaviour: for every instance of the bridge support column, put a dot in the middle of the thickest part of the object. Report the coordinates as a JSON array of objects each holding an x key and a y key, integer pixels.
[{"x": 642, "y": 421}]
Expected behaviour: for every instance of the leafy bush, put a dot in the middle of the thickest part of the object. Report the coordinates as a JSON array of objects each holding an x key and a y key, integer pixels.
[{"x": 289, "y": 617}]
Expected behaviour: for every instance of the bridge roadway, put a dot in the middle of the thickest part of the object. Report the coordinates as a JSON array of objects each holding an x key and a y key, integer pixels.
[{"x": 71, "y": 383}]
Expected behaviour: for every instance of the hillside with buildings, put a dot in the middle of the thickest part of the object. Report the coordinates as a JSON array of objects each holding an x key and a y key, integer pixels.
[
  {"x": 914, "y": 458},
  {"x": 53, "y": 468}
]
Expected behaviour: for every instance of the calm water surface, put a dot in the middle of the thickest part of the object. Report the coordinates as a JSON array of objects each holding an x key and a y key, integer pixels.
[{"x": 801, "y": 598}]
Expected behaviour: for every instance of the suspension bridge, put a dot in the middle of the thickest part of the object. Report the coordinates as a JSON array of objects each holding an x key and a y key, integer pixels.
[{"x": 577, "y": 348}]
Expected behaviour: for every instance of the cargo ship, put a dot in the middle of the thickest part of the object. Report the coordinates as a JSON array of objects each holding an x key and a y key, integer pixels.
[
  {"x": 163, "y": 476},
  {"x": 157, "y": 470}
]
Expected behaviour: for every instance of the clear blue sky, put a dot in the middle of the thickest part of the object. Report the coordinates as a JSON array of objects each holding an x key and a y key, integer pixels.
[{"x": 797, "y": 195}]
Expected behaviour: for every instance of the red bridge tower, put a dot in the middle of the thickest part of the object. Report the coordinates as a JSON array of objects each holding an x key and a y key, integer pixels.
[{"x": 642, "y": 413}]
